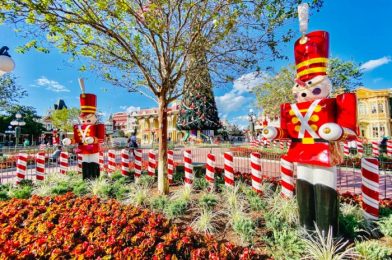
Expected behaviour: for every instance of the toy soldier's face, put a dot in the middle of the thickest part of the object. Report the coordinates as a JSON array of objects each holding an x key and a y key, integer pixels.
[
  {"x": 317, "y": 88},
  {"x": 89, "y": 119}
]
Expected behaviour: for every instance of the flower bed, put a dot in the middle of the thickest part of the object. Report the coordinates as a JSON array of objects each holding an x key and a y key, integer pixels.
[{"x": 68, "y": 227}]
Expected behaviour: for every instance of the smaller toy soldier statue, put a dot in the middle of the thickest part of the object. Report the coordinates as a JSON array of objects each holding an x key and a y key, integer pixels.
[
  {"x": 55, "y": 138},
  {"x": 88, "y": 134}
]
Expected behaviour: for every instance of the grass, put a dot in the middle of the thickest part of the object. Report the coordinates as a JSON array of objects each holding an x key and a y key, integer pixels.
[
  {"x": 138, "y": 196},
  {"x": 351, "y": 220},
  {"x": 175, "y": 208},
  {"x": 285, "y": 244},
  {"x": 99, "y": 187},
  {"x": 185, "y": 194},
  {"x": 159, "y": 202},
  {"x": 385, "y": 225},
  {"x": 373, "y": 250},
  {"x": 204, "y": 222},
  {"x": 208, "y": 200}
]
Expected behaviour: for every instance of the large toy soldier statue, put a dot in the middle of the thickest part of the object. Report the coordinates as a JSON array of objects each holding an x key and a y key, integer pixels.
[
  {"x": 316, "y": 124},
  {"x": 88, "y": 134}
]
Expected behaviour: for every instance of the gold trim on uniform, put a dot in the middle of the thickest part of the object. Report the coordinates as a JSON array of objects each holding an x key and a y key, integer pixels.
[
  {"x": 311, "y": 70},
  {"x": 314, "y": 118},
  {"x": 311, "y": 61},
  {"x": 314, "y": 127},
  {"x": 308, "y": 140},
  {"x": 297, "y": 128},
  {"x": 92, "y": 107},
  {"x": 295, "y": 120}
]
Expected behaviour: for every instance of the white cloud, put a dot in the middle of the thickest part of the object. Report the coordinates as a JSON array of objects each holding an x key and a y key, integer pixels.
[
  {"x": 247, "y": 82},
  {"x": 130, "y": 109},
  {"x": 230, "y": 102},
  {"x": 372, "y": 64},
  {"x": 51, "y": 85}
]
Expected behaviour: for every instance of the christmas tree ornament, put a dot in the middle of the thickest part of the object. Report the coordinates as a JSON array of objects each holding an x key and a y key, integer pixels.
[{"x": 316, "y": 126}]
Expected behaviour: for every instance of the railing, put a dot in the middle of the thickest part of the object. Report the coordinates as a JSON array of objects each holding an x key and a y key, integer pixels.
[{"x": 349, "y": 173}]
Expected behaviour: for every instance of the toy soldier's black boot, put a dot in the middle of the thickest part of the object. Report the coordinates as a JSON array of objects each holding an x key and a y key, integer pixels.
[
  {"x": 305, "y": 199},
  {"x": 94, "y": 170},
  {"x": 327, "y": 208},
  {"x": 85, "y": 170}
]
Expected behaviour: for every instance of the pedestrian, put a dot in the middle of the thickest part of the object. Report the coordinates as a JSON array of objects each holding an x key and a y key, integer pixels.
[
  {"x": 26, "y": 142},
  {"x": 132, "y": 143}
]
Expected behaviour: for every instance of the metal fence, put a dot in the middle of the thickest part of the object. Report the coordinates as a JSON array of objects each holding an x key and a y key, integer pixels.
[{"x": 349, "y": 173}]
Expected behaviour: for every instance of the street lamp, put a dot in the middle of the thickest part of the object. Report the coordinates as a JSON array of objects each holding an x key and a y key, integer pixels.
[
  {"x": 10, "y": 132},
  {"x": 6, "y": 62},
  {"x": 252, "y": 120},
  {"x": 18, "y": 123}
]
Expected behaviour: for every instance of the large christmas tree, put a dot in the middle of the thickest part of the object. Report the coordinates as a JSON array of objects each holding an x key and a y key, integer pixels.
[{"x": 198, "y": 108}]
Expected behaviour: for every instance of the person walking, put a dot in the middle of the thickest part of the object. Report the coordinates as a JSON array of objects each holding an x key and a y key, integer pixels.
[{"x": 132, "y": 143}]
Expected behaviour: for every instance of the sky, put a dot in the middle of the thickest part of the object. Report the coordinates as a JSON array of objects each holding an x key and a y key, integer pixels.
[{"x": 359, "y": 30}]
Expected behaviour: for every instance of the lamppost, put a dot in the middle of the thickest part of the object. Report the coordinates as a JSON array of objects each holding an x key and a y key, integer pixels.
[
  {"x": 18, "y": 123},
  {"x": 6, "y": 62},
  {"x": 252, "y": 120},
  {"x": 9, "y": 131}
]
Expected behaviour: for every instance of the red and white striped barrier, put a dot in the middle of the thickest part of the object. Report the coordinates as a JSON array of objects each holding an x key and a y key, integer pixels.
[
  {"x": 80, "y": 163},
  {"x": 170, "y": 165},
  {"x": 268, "y": 143},
  {"x": 359, "y": 147},
  {"x": 40, "y": 166},
  {"x": 188, "y": 168},
  {"x": 375, "y": 149},
  {"x": 124, "y": 162},
  {"x": 389, "y": 148},
  {"x": 287, "y": 175},
  {"x": 21, "y": 167},
  {"x": 346, "y": 149},
  {"x": 255, "y": 165},
  {"x": 281, "y": 145},
  {"x": 138, "y": 163},
  {"x": 210, "y": 170},
  {"x": 229, "y": 169},
  {"x": 370, "y": 188},
  {"x": 101, "y": 161},
  {"x": 152, "y": 163},
  {"x": 112, "y": 161},
  {"x": 64, "y": 162}
]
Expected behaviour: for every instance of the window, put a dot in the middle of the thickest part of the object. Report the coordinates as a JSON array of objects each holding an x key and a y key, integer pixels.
[
  {"x": 375, "y": 132},
  {"x": 374, "y": 108},
  {"x": 362, "y": 109},
  {"x": 382, "y": 130},
  {"x": 380, "y": 107}
]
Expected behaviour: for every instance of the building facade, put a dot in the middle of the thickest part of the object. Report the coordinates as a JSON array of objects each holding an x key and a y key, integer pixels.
[{"x": 374, "y": 113}]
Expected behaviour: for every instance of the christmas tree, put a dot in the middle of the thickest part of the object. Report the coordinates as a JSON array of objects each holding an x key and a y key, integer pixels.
[{"x": 198, "y": 108}]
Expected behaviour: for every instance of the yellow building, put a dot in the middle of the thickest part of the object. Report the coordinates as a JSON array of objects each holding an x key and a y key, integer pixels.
[
  {"x": 148, "y": 125},
  {"x": 374, "y": 113}
]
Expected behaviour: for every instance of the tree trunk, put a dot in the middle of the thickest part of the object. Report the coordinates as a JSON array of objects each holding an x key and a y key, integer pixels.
[{"x": 163, "y": 183}]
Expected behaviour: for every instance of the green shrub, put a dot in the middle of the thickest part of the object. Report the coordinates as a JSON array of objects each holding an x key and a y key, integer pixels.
[
  {"x": 26, "y": 182},
  {"x": 175, "y": 208},
  {"x": 61, "y": 188},
  {"x": 138, "y": 196},
  {"x": 159, "y": 202},
  {"x": 200, "y": 184},
  {"x": 184, "y": 193},
  {"x": 281, "y": 213},
  {"x": 285, "y": 244},
  {"x": 373, "y": 250},
  {"x": 208, "y": 200},
  {"x": 146, "y": 181},
  {"x": 245, "y": 227},
  {"x": 100, "y": 187},
  {"x": 385, "y": 225},
  {"x": 204, "y": 222},
  {"x": 119, "y": 190},
  {"x": 256, "y": 202},
  {"x": 3, "y": 195},
  {"x": 351, "y": 220},
  {"x": 80, "y": 188},
  {"x": 20, "y": 192},
  {"x": 385, "y": 212}
]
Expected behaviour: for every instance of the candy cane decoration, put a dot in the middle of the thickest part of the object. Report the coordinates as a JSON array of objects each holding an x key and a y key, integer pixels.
[
  {"x": 370, "y": 188},
  {"x": 346, "y": 149},
  {"x": 112, "y": 160},
  {"x": 138, "y": 163},
  {"x": 287, "y": 175},
  {"x": 188, "y": 168},
  {"x": 80, "y": 162},
  {"x": 229, "y": 169},
  {"x": 255, "y": 165},
  {"x": 359, "y": 148},
  {"x": 21, "y": 167},
  {"x": 281, "y": 145},
  {"x": 40, "y": 166},
  {"x": 151, "y": 163},
  {"x": 389, "y": 148},
  {"x": 124, "y": 162},
  {"x": 101, "y": 161},
  {"x": 210, "y": 170},
  {"x": 64, "y": 162},
  {"x": 170, "y": 165},
  {"x": 376, "y": 151},
  {"x": 268, "y": 143}
]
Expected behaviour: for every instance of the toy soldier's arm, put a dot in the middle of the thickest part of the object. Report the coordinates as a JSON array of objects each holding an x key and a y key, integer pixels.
[
  {"x": 276, "y": 133},
  {"x": 100, "y": 133}
]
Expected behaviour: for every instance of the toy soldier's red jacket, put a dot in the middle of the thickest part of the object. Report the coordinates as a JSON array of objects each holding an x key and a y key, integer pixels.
[
  {"x": 83, "y": 131},
  {"x": 301, "y": 123}
]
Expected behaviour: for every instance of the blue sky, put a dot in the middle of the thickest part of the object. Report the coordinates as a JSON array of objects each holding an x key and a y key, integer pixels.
[{"x": 359, "y": 31}]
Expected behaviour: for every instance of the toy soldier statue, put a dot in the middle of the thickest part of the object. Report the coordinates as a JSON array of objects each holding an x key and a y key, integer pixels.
[
  {"x": 55, "y": 138},
  {"x": 88, "y": 134},
  {"x": 315, "y": 124}
]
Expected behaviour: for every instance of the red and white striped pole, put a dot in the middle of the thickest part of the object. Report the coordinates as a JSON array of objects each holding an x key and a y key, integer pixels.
[
  {"x": 210, "y": 170},
  {"x": 188, "y": 168},
  {"x": 124, "y": 162},
  {"x": 346, "y": 149},
  {"x": 40, "y": 166},
  {"x": 101, "y": 162},
  {"x": 138, "y": 163},
  {"x": 287, "y": 175},
  {"x": 229, "y": 169},
  {"x": 170, "y": 165},
  {"x": 370, "y": 188},
  {"x": 80, "y": 162},
  {"x": 255, "y": 165},
  {"x": 359, "y": 147},
  {"x": 281, "y": 145},
  {"x": 268, "y": 143},
  {"x": 64, "y": 162},
  {"x": 375, "y": 149},
  {"x": 389, "y": 148},
  {"x": 151, "y": 163},
  {"x": 21, "y": 167},
  {"x": 112, "y": 161}
]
